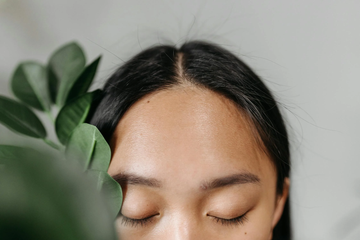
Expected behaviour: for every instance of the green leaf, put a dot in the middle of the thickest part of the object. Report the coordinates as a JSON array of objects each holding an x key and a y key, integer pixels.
[
  {"x": 72, "y": 115},
  {"x": 111, "y": 189},
  {"x": 88, "y": 147},
  {"x": 47, "y": 198},
  {"x": 65, "y": 66},
  {"x": 14, "y": 153},
  {"x": 19, "y": 118},
  {"x": 30, "y": 85},
  {"x": 84, "y": 81}
]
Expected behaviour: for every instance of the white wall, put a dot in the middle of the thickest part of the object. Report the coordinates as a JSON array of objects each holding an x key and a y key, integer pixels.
[{"x": 306, "y": 51}]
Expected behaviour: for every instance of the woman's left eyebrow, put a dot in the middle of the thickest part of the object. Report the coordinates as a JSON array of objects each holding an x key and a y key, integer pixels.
[{"x": 240, "y": 178}]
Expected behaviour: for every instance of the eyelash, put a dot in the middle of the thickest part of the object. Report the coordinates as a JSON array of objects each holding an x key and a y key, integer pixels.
[
  {"x": 233, "y": 221},
  {"x": 136, "y": 222},
  {"x": 144, "y": 221}
]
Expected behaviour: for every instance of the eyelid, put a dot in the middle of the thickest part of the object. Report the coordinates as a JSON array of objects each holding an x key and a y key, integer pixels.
[
  {"x": 134, "y": 222},
  {"x": 232, "y": 221}
]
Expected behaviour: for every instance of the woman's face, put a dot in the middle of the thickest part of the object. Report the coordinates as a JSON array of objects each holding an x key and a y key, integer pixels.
[{"x": 190, "y": 168}]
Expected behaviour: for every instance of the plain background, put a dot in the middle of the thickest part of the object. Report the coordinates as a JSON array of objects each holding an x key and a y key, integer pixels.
[{"x": 306, "y": 51}]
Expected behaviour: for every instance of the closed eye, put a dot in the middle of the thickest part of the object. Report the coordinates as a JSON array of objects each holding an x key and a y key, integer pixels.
[
  {"x": 240, "y": 220},
  {"x": 134, "y": 222}
]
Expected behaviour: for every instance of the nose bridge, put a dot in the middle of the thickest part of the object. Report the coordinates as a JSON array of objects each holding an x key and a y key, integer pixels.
[
  {"x": 184, "y": 227},
  {"x": 183, "y": 231}
]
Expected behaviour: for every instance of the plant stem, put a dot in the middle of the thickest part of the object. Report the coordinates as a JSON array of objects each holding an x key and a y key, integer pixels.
[
  {"x": 50, "y": 116},
  {"x": 51, "y": 143}
]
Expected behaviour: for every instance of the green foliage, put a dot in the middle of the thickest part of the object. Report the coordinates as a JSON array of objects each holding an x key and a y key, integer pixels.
[
  {"x": 65, "y": 80},
  {"x": 82, "y": 84},
  {"x": 44, "y": 197},
  {"x": 65, "y": 66},
  {"x": 73, "y": 114},
  {"x": 110, "y": 188},
  {"x": 89, "y": 148},
  {"x": 15, "y": 153},
  {"x": 20, "y": 118},
  {"x": 34, "y": 192},
  {"x": 29, "y": 84}
]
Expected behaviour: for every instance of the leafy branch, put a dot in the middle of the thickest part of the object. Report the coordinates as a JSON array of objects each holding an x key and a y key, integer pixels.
[{"x": 63, "y": 84}]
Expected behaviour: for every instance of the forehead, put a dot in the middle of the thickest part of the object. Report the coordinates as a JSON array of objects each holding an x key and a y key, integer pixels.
[{"x": 186, "y": 129}]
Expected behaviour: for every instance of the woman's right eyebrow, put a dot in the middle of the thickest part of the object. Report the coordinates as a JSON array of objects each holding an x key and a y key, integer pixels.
[{"x": 133, "y": 179}]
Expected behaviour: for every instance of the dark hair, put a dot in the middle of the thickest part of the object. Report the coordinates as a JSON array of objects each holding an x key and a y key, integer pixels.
[{"x": 210, "y": 66}]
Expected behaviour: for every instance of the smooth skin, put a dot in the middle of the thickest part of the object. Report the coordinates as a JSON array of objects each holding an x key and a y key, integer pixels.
[{"x": 190, "y": 168}]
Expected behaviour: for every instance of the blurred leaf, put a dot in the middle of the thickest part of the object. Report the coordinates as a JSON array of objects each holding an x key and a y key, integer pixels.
[
  {"x": 15, "y": 153},
  {"x": 88, "y": 147},
  {"x": 30, "y": 85},
  {"x": 84, "y": 81},
  {"x": 46, "y": 198},
  {"x": 19, "y": 118},
  {"x": 65, "y": 66},
  {"x": 110, "y": 188},
  {"x": 72, "y": 115}
]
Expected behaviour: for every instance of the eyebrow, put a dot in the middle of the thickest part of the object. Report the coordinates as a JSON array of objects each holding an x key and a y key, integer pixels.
[
  {"x": 240, "y": 178},
  {"x": 133, "y": 179}
]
